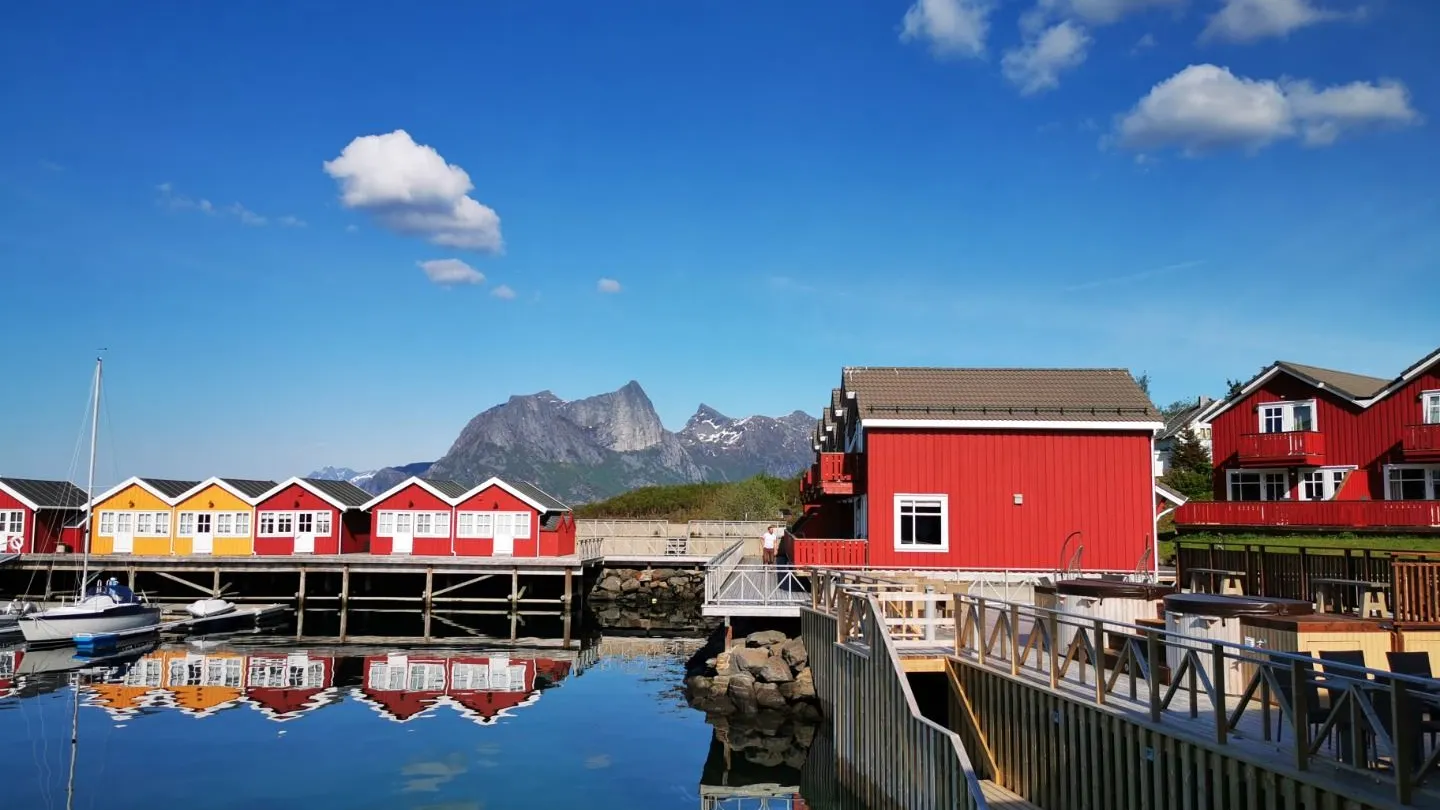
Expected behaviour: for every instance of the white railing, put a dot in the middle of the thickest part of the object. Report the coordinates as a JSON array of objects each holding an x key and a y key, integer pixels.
[
  {"x": 730, "y": 528},
  {"x": 627, "y": 528},
  {"x": 663, "y": 546},
  {"x": 756, "y": 586},
  {"x": 719, "y": 568},
  {"x": 589, "y": 548}
]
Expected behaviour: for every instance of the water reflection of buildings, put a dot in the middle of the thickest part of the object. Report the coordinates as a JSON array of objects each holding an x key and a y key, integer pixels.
[{"x": 402, "y": 687}]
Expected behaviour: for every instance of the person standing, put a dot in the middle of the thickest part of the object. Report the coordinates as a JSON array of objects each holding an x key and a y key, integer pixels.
[{"x": 768, "y": 542}]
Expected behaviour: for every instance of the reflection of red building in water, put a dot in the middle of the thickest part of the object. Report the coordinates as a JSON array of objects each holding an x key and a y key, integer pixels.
[
  {"x": 402, "y": 687},
  {"x": 284, "y": 686},
  {"x": 9, "y": 665}
]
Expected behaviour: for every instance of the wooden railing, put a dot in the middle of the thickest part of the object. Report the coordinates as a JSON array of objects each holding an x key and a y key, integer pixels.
[
  {"x": 1281, "y": 447},
  {"x": 838, "y": 553},
  {"x": 1421, "y": 441},
  {"x": 1417, "y": 591},
  {"x": 1310, "y": 514}
]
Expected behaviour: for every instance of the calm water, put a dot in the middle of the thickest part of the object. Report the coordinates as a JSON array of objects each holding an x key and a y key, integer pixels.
[{"x": 265, "y": 724}]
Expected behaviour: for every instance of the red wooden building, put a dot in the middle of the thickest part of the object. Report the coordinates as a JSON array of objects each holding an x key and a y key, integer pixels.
[
  {"x": 982, "y": 469},
  {"x": 415, "y": 516},
  {"x": 516, "y": 518},
  {"x": 285, "y": 686},
  {"x": 34, "y": 514},
  {"x": 404, "y": 686},
  {"x": 1306, "y": 447},
  {"x": 312, "y": 516}
]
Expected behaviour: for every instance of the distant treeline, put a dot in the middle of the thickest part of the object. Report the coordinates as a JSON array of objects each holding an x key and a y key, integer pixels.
[{"x": 762, "y": 497}]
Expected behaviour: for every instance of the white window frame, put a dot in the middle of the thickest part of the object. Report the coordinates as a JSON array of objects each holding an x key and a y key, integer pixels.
[
  {"x": 124, "y": 522},
  {"x": 107, "y": 523},
  {"x": 224, "y": 523},
  {"x": 1231, "y": 475},
  {"x": 187, "y": 524},
  {"x": 284, "y": 524},
  {"x": 266, "y": 524},
  {"x": 436, "y": 524},
  {"x": 1333, "y": 479},
  {"x": 324, "y": 526},
  {"x": 476, "y": 525},
  {"x": 242, "y": 524},
  {"x": 385, "y": 524},
  {"x": 484, "y": 524},
  {"x": 405, "y": 523},
  {"x": 1431, "y": 474},
  {"x": 1430, "y": 407},
  {"x": 208, "y": 518},
  {"x": 303, "y": 518},
  {"x": 1287, "y": 415},
  {"x": 522, "y": 519},
  {"x": 12, "y": 521},
  {"x": 901, "y": 500}
]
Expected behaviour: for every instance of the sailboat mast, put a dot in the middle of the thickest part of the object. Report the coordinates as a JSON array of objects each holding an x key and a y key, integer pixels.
[{"x": 90, "y": 482}]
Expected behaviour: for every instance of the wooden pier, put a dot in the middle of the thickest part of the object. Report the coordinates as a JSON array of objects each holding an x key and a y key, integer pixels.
[{"x": 1099, "y": 722}]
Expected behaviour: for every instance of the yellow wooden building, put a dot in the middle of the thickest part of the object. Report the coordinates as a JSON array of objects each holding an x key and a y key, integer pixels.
[
  {"x": 137, "y": 516},
  {"x": 217, "y": 516},
  {"x": 201, "y": 684}
]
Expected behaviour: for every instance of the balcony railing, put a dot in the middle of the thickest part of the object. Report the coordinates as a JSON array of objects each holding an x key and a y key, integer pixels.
[
  {"x": 1421, "y": 443},
  {"x": 1282, "y": 449},
  {"x": 835, "y": 553},
  {"x": 832, "y": 474},
  {"x": 1311, "y": 514}
]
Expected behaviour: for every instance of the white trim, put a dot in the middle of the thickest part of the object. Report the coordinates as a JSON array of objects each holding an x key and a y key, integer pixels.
[
  {"x": 1009, "y": 424},
  {"x": 1432, "y": 486},
  {"x": 308, "y": 487},
  {"x": 1415, "y": 371},
  {"x": 213, "y": 481},
  {"x": 1262, "y": 472},
  {"x": 133, "y": 480},
  {"x": 1287, "y": 415},
  {"x": 29, "y": 504},
  {"x": 1404, "y": 379},
  {"x": 1326, "y": 483},
  {"x": 497, "y": 482},
  {"x": 944, "y": 500},
  {"x": 400, "y": 487},
  {"x": 1426, "y": 397},
  {"x": 1170, "y": 495}
]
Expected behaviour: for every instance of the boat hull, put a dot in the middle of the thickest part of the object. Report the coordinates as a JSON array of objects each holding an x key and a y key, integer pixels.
[{"x": 52, "y": 629}]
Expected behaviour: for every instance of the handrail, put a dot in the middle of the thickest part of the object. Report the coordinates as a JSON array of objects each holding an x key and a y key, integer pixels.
[{"x": 719, "y": 568}]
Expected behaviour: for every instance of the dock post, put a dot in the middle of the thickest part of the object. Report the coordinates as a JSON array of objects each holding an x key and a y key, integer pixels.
[
  {"x": 514, "y": 588},
  {"x": 48, "y": 573},
  {"x": 729, "y": 633},
  {"x": 131, "y": 583},
  {"x": 569, "y": 589},
  {"x": 344, "y": 601},
  {"x": 429, "y": 589},
  {"x": 215, "y": 586},
  {"x": 566, "y": 621},
  {"x": 300, "y": 606}
]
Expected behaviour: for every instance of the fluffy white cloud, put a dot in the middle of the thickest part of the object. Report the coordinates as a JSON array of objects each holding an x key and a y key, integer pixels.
[
  {"x": 951, "y": 27},
  {"x": 503, "y": 292},
  {"x": 1036, "y": 65},
  {"x": 447, "y": 272},
  {"x": 1249, "y": 20},
  {"x": 1204, "y": 107},
  {"x": 1101, "y": 12},
  {"x": 410, "y": 189},
  {"x": 608, "y": 285}
]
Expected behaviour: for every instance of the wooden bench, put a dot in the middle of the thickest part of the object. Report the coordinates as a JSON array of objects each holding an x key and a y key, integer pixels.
[
  {"x": 1230, "y": 581},
  {"x": 1369, "y": 595}
]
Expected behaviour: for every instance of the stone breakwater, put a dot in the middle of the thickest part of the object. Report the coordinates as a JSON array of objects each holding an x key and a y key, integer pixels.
[
  {"x": 760, "y": 696},
  {"x": 644, "y": 586}
]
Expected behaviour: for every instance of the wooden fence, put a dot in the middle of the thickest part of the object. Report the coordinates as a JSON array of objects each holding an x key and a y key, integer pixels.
[
  {"x": 1417, "y": 592},
  {"x": 838, "y": 553},
  {"x": 1339, "y": 515}
]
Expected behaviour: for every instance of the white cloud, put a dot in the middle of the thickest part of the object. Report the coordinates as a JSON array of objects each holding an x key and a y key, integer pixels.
[
  {"x": 1101, "y": 12},
  {"x": 1204, "y": 108},
  {"x": 245, "y": 215},
  {"x": 503, "y": 292},
  {"x": 1036, "y": 65},
  {"x": 175, "y": 201},
  {"x": 410, "y": 189},
  {"x": 608, "y": 285},
  {"x": 291, "y": 222},
  {"x": 1144, "y": 43},
  {"x": 1249, "y": 20},
  {"x": 953, "y": 28},
  {"x": 446, "y": 272}
]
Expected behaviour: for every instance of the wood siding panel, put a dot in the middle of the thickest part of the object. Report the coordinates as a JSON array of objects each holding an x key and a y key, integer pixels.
[
  {"x": 1099, "y": 483},
  {"x": 133, "y": 498},
  {"x": 413, "y": 498},
  {"x": 214, "y": 498}
]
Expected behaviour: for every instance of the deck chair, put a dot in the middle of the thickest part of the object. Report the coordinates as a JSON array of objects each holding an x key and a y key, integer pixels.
[
  {"x": 1417, "y": 664},
  {"x": 1344, "y": 658},
  {"x": 1310, "y": 707}
]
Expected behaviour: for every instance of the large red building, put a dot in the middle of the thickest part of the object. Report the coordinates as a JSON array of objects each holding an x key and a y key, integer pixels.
[
  {"x": 982, "y": 469},
  {"x": 312, "y": 516},
  {"x": 426, "y": 517},
  {"x": 1305, "y": 447},
  {"x": 34, "y": 514}
]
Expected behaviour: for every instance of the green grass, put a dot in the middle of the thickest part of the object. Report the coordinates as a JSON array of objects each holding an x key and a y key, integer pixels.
[
  {"x": 759, "y": 498},
  {"x": 1318, "y": 543}
]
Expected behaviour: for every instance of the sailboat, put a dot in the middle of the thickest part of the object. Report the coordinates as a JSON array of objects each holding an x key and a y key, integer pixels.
[{"x": 105, "y": 609}]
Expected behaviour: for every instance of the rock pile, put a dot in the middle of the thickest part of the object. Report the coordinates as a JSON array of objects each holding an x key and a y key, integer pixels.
[
  {"x": 644, "y": 586},
  {"x": 760, "y": 695}
]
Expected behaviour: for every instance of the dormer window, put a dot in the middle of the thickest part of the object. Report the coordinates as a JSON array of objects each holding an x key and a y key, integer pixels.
[
  {"x": 1287, "y": 417},
  {"x": 1431, "y": 402}
]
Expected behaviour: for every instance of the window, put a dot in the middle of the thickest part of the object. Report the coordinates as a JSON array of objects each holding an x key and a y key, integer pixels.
[
  {"x": 422, "y": 523},
  {"x": 1414, "y": 483},
  {"x": 267, "y": 524},
  {"x": 187, "y": 524},
  {"x": 125, "y": 522},
  {"x": 304, "y": 522},
  {"x": 107, "y": 523},
  {"x": 484, "y": 524},
  {"x": 285, "y": 523},
  {"x": 426, "y": 678},
  {"x": 921, "y": 523},
  {"x": 1259, "y": 485},
  {"x": 225, "y": 524},
  {"x": 242, "y": 524},
  {"x": 465, "y": 524},
  {"x": 504, "y": 524},
  {"x": 1321, "y": 484},
  {"x": 12, "y": 521},
  {"x": 223, "y": 672},
  {"x": 522, "y": 525},
  {"x": 322, "y": 523},
  {"x": 470, "y": 676},
  {"x": 1431, "y": 400},
  {"x": 385, "y": 678},
  {"x": 387, "y": 524},
  {"x": 1287, "y": 417},
  {"x": 204, "y": 523},
  {"x": 162, "y": 524},
  {"x": 145, "y": 523},
  {"x": 402, "y": 522},
  {"x": 442, "y": 524}
]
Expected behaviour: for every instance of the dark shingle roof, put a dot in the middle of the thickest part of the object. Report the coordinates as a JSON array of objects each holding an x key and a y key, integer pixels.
[
  {"x": 446, "y": 487},
  {"x": 540, "y": 496},
  {"x": 47, "y": 494},
  {"x": 1355, "y": 386},
  {"x": 1180, "y": 419},
  {"x": 1010, "y": 394},
  {"x": 248, "y": 487},
  {"x": 170, "y": 488},
  {"x": 342, "y": 492},
  {"x": 551, "y": 521}
]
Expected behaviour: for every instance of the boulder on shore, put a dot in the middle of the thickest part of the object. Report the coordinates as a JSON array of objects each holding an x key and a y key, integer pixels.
[
  {"x": 752, "y": 659},
  {"x": 765, "y": 638},
  {"x": 775, "y": 670}
]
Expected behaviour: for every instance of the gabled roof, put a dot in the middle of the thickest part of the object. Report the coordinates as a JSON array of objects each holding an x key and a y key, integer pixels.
[
  {"x": 1359, "y": 389},
  {"x": 1169, "y": 494},
  {"x": 446, "y": 490},
  {"x": 1176, "y": 423},
  {"x": 525, "y": 491},
  {"x": 339, "y": 494},
  {"x": 166, "y": 489},
  {"x": 999, "y": 394},
  {"x": 38, "y": 494},
  {"x": 247, "y": 490},
  {"x": 1354, "y": 386}
]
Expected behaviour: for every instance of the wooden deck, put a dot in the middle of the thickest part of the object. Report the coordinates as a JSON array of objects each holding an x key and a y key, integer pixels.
[{"x": 319, "y": 563}]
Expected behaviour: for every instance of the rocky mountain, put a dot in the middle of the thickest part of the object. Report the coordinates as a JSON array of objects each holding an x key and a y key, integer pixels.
[{"x": 588, "y": 449}]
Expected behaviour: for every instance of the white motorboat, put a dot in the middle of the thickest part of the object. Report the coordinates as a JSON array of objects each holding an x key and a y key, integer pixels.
[
  {"x": 10, "y": 617},
  {"x": 208, "y": 608}
]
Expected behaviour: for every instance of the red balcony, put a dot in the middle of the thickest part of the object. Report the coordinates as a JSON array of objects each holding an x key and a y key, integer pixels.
[
  {"x": 832, "y": 475},
  {"x": 1421, "y": 443},
  {"x": 1296, "y": 449},
  {"x": 836, "y": 553},
  {"x": 1375, "y": 515}
]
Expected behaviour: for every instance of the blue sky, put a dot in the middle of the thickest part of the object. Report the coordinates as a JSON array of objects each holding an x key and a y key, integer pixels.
[{"x": 239, "y": 203}]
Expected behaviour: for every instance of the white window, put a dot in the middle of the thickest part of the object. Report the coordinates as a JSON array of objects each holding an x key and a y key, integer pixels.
[
  {"x": 1322, "y": 484},
  {"x": 285, "y": 524},
  {"x": 1259, "y": 485},
  {"x": 465, "y": 524},
  {"x": 225, "y": 524},
  {"x": 124, "y": 522},
  {"x": 484, "y": 524},
  {"x": 426, "y": 678},
  {"x": 223, "y": 672},
  {"x": 187, "y": 524},
  {"x": 322, "y": 523},
  {"x": 12, "y": 521},
  {"x": 145, "y": 523},
  {"x": 522, "y": 525},
  {"x": 385, "y": 678},
  {"x": 504, "y": 524},
  {"x": 470, "y": 676},
  {"x": 403, "y": 522},
  {"x": 267, "y": 524},
  {"x": 107, "y": 523},
  {"x": 442, "y": 524},
  {"x": 204, "y": 523},
  {"x": 304, "y": 522},
  {"x": 423, "y": 526},
  {"x": 922, "y": 522},
  {"x": 1287, "y": 417},
  {"x": 386, "y": 526},
  {"x": 242, "y": 524},
  {"x": 1431, "y": 401},
  {"x": 1413, "y": 483}
]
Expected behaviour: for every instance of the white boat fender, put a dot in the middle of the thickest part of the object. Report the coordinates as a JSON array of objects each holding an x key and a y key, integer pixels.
[{"x": 205, "y": 608}]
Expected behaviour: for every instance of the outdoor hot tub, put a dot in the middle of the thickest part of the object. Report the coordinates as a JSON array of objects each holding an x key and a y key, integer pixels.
[{"x": 1222, "y": 617}]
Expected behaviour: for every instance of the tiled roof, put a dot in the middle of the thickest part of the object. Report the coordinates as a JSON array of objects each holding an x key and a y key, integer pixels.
[
  {"x": 1355, "y": 386},
  {"x": 540, "y": 496},
  {"x": 446, "y": 487},
  {"x": 170, "y": 488},
  {"x": 1009, "y": 394},
  {"x": 248, "y": 487},
  {"x": 342, "y": 492},
  {"x": 47, "y": 494}
]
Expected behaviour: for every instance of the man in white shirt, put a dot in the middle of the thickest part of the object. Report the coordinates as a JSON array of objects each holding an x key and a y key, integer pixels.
[{"x": 768, "y": 542}]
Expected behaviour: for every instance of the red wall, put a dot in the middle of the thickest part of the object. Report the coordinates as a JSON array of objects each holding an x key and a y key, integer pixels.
[
  {"x": 413, "y": 498},
  {"x": 8, "y": 502},
  {"x": 297, "y": 498},
  {"x": 1096, "y": 482},
  {"x": 495, "y": 499},
  {"x": 1368, "y": 438}
]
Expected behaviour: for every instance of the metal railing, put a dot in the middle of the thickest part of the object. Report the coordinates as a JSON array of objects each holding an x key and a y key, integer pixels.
[
  {"x": 663, "y": 546},
  {"x": 718, "y": 569},
  {"x": 588, "y": 527},
  {"x": 758, "y": 586},
  {"x": 730, "y": 528}
]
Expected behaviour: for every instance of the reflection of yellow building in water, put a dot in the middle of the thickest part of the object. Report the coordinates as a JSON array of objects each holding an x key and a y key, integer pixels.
[
  {"x": 136, "y": 517},
  {"x": 201, "y": 684},
  {"x": 140, "y": 688},
  {"x": 217, "y": 516}
]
